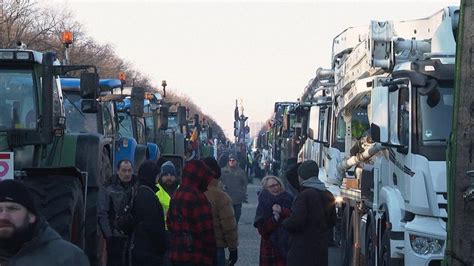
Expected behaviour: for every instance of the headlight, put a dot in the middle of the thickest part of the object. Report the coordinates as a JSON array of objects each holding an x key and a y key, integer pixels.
[{"x": 425, "y": 245}]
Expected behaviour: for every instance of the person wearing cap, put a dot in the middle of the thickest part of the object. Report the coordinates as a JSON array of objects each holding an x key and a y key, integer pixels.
[
  {"x": 225, "y": 227},
  {"x": 312, "y": 214},
  {"x": 167, "y": 184},
  {"x": 25, "y": 236},
  {"x": 235, "y": 184}
]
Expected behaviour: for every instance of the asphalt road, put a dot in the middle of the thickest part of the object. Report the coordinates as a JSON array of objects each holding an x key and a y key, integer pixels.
[{"x": 249, "y": 239}]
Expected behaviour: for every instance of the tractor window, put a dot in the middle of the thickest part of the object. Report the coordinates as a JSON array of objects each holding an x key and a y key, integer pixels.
[
  {"x": 77, "y": 121},
  {"x": 125, "y": 125},
  {"x": 140, "y": 124},
  {"x": 150, "y": 129},
  {"x": 107, "y": 118},
  {"x": 18, "y": 100},
  {"x": 403, "y": 115}
]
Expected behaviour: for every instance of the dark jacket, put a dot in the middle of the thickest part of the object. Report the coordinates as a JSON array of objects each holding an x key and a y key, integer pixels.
[
  {"x": 149, "y": 238},
  {"x": 190, "y": 218},
  {"x": 313, "y": 213},
  {"x": 235, "y": 183},
  {"x": 112, "y": 197},
  {"x": 47, "y": 248}
]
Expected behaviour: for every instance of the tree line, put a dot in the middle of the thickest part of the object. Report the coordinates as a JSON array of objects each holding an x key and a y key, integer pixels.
[{"x": 40, "y": 28}]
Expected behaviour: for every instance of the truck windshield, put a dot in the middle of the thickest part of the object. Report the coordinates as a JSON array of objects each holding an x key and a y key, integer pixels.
[
  {"x": 77, "y": 121},
  {"x": 436, "y": 116},
  {"x": 173, "y": 123},
  {"x": 18, "y": 104},
  {"x": 125, "y": 128}
]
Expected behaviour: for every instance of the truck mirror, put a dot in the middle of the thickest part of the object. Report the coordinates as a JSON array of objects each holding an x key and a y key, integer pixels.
[
  {"x": 196, "y": 120},
  {"x": 89, "y": 106},
  {"x": 137, "y": 101},
  {"x": 182, "y": 116},
  {"x": 236, "y": 124},
  {"x": 379, "y": 124},
  {"x": 236, "y": 132},
  {"x": 89, "y": 84},
  {"x": 163, "y": 120}
]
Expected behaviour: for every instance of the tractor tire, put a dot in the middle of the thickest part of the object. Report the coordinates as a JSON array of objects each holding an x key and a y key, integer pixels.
[
  {"x": 92, "y": 231},
  {"x": 384, "y": 258},
  {"x": 346, "y": 237},
  {"x": 60, "y": 200}
]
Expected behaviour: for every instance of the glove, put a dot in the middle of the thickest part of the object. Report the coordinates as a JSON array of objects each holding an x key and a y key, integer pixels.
[{"x": 233, "y": 256}]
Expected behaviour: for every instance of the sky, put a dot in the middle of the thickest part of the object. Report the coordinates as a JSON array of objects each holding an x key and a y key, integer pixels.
[{"x": 258, "y": 52}]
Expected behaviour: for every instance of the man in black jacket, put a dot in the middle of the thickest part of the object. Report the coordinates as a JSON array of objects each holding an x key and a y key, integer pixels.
[
  {"x": 25, "y": 237},
  {"x": 112, "y": 199},
  {"x": 313, "y": 213}
]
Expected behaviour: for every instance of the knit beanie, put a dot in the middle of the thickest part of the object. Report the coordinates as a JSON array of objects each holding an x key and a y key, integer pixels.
[
  {"x": 233, "y": 156},
  {"x": 308, "y": 169},
  {"x": 17, "y": 192},
  {"x": 213, "y": 165},
  {"x": 168, "y": 168}
]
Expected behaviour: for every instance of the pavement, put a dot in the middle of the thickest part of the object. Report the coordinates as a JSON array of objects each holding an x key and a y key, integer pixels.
[{"x": 249, "y": 239}]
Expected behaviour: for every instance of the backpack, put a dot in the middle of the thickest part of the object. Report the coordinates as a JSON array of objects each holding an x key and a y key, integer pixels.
[{"x": 124, "y": 220}]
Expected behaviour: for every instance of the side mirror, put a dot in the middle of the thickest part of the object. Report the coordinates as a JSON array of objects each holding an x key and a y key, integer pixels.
[
  {"x": 163, "y": 120},
  {"x": 89, "y": 84},
  {"x": 380, "y": 115},
  {"x": 182, "y": 116},
  {"x": 89, "y": 106},
  {"x": 196, "y": 120},
  {"x": 137, "y": 101},
  {"x": 236, "y": 132}
]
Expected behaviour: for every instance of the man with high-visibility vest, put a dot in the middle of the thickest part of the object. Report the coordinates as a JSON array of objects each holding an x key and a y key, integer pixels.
[{"x": 168, "y": 183}]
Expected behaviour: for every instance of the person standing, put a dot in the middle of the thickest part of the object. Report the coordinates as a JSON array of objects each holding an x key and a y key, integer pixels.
[
  {"x": 149, "y": 241},
  {"x": 167, "y": 184},
  {"x": 235, "y": 184},
  {"x": 190, "y": 224},
  {"x": 274, "y": 238},
  {"x": 225, "y": 226},
  {"x": 113, "y": 197},
  {"x": 25, "y": 236},
  {"x": 313, "y": 213}
]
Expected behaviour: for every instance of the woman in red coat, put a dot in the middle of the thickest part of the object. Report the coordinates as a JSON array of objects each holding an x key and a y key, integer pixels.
[{"x": 274, "y": 239}]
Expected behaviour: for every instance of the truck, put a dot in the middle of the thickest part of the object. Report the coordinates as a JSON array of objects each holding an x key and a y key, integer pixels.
[
  {"x": 378, "y": 123},
  {"x": 33, "y": 136}
]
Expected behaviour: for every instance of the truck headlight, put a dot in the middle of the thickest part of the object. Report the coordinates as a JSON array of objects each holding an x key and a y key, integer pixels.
[{"x": 425, "y": 245}]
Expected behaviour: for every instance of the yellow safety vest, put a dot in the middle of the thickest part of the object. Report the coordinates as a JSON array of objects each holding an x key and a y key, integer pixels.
[{"x": 164, "y": 199}]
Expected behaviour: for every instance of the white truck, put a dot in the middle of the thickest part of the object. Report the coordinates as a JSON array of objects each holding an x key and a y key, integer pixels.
[{"x": 380, "y": 119}]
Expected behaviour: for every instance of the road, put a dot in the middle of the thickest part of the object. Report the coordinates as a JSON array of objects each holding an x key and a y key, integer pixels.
[{"x": 249, "y": 239}]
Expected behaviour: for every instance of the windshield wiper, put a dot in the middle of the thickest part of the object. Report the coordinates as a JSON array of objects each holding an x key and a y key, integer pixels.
[{"x": 75, "y": 107}]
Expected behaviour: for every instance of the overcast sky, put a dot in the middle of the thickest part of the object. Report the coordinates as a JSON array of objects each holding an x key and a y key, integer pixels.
[{"x": 216, "y": 52}]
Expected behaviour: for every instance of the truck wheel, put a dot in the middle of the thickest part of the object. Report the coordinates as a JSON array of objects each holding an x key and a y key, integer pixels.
[
  {"x": 347, "y": 237},
  {"x": 370, "y": 239},
  {"x": 93, "y": 249},
  {"x": 384, "y": 258},
  {"x": 61, "y": 202}
]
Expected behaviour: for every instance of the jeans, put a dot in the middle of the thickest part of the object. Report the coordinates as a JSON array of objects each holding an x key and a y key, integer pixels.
[
  {"x": 220, "y": 256},
  {"x": 237, "y": 211}
]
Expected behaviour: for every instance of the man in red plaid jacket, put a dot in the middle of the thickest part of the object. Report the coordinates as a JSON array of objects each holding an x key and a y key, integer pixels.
[{"x": 192, "y": 240}]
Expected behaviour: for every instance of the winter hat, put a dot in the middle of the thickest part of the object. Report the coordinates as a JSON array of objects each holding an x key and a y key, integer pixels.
[
  {"x": 308, "y": 169},
  {"x": 233, "y": 156},
  {"x": 147, "y": 173},
  {"x": 168, "y": 168},
  {"x": 14, "y": 191},
  {"x": 213, "y": 165}
]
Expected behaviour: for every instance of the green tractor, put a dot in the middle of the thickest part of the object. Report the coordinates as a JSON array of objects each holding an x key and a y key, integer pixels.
[{"x": 33, "y": 136}]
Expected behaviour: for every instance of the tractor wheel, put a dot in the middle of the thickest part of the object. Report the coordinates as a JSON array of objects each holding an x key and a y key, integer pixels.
[
  {"x": 60, "y": 200},
  {"x": 93, "y": 249}
]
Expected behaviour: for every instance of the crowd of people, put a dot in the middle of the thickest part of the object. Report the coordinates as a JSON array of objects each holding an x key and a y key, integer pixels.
[{"x": 160, "y": 218}]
